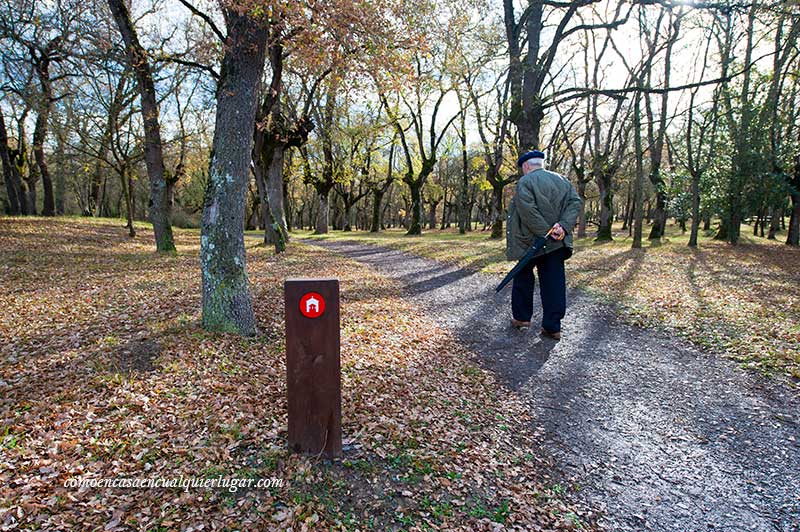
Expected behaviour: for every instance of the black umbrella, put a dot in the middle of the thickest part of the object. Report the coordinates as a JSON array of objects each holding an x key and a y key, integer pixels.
[{"x": 524, "y": 261}]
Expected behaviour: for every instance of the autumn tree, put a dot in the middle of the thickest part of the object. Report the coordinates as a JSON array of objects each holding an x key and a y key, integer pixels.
[
  {"x": 227, "y": 303},
  {"x": 39, "y": 37},
  {"x": 324, "y": 180},
  {"x": 358, "y": 41},
  {"x": 700, "y": 143},
  {"x": 279, "y": 128},
  {"x": 356, "y": 151},
  {"x": 487, "y": 97},
  {"x": 380, "y": 187},
  {"x": 657, "y": 129},
  {"x": 787, "y": 30},
  {"x": 419, "y": 127},
  {"x": 160, "y": 186},
  {"x": 532, "y": 53},
  {"x": 738, "y": 113},
  {"x": 16, "y": 200}
]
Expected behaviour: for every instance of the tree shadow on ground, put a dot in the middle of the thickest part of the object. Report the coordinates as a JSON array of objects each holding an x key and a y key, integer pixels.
[
  {"x": 629, "y": 262},
  {"x": 435, "y": 282},
  {"x": 136, "y": 356}
]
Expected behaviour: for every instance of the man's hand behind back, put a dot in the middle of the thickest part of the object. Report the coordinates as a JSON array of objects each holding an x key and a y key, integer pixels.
[{"x": 558, "y": 232}]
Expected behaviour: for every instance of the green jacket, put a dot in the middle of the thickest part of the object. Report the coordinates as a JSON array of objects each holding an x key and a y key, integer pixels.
[{"x": 542, "y": 199}]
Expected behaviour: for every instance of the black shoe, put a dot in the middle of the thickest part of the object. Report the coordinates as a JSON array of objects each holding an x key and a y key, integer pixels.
[{"x": 554, "y": 335}]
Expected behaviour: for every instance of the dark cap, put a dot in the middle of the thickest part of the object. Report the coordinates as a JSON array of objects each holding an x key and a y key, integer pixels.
[{"x": 535, "y": 154}]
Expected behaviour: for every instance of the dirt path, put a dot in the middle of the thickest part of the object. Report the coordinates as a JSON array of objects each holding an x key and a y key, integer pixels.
[{"x": 652, "y": 432}]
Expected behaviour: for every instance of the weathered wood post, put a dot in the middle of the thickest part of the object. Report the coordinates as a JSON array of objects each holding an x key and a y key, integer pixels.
[{"x": 313, "y": 374}]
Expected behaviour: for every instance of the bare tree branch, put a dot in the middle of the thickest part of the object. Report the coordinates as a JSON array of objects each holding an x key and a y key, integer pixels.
[{"x": 206, "y": 19}]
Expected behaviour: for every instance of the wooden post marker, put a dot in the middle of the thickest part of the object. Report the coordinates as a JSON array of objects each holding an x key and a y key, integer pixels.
[{"x": 313, "y": 373}]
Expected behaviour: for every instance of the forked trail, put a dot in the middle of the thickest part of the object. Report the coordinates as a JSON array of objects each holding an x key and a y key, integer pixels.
[{"x": 646, "y": 428}]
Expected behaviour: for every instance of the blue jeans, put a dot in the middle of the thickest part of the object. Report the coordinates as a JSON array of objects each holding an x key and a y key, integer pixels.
[{"x": 552, "y": 287}]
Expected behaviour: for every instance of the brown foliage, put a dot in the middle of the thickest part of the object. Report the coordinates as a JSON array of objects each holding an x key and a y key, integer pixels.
[{"x": 105, "y": 372}]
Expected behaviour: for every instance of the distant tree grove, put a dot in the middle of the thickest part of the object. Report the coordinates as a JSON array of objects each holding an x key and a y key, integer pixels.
[{"x": 279, "y": 115}]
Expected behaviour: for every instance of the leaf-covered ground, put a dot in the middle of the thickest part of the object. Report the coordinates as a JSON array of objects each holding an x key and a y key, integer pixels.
[
  {"x": 743, "y": 301},
  {"x": 104, "y": 373}
]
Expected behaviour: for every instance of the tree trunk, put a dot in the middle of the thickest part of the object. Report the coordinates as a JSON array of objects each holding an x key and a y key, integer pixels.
[
  {"x": 497, "y": 211},
  {"x": 322, "y": 215},
  {"x": 160, "y": 206},
  {"x": 742, "y": 141},
  {"x": 61, "y": 192},
  {"x": 347, "y": 224},
  {"x": 104, "y": 210},
  {"x": 722, "y": 232},
  {"x": 793, "y": 230},
  {"x": 42, "y": 66},
  {"x": 695, "y": 209},
  {"x": 629, "y": 217},
  {"x": 22, "y": 197},
  {"x": 793, "y": 236},
  {"x": 312, "y": 214},
  {"x": 638, "y": 191},
  {"x": 627, "y": 213},
  {"x": 61, "y": 182},
  {"x": 118, "y": 212},
  {"x": 582, "y": 214},
  {"x": 288, "y": 206},
  {"x": 31, "y": 179},
  {"x": 606, "y": 206},
  {"x": 39, "y": 134},
  {"x": 735, "y": 217},
  {"x": 227, "y": 304},
  {"x": 253, "y": 219},
  {"x": 263, "y": 201},
  {"x": 97, "y": 181},
  {"x": 272, "y": 235},
  {"x": 660, "y": 211},
  {"x": 463, "y": 199},
  {"x": 793, "y": 233},
  {"x": 275, "y": 197},
  {"x": 775, "y": 222},
  {"x": 15, "y": 197},
  {"x": 268, "y": 161},
  {"x": 126, "y": 183},
  {"x": 415, "y": 222},
  {"x": 323, "y": 186},
  {"x": 386, "y": 206},
  {"x": 657, "y": 142},
  {"x": 432, "y": 215},
  {"x": 525, "y": 79},
  {"x": 337, "y": 224},
  {"x": 377, "y": 197}
]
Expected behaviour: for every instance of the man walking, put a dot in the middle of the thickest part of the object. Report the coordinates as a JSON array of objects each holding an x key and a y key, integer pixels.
[{"x": 544, "y": 200}]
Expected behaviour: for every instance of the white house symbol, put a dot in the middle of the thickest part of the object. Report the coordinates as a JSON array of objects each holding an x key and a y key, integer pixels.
[{"x": 312, "y": 304}]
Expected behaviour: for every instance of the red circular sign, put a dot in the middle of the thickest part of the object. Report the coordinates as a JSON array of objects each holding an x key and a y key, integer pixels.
[{"x": 312, "y": 305}]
